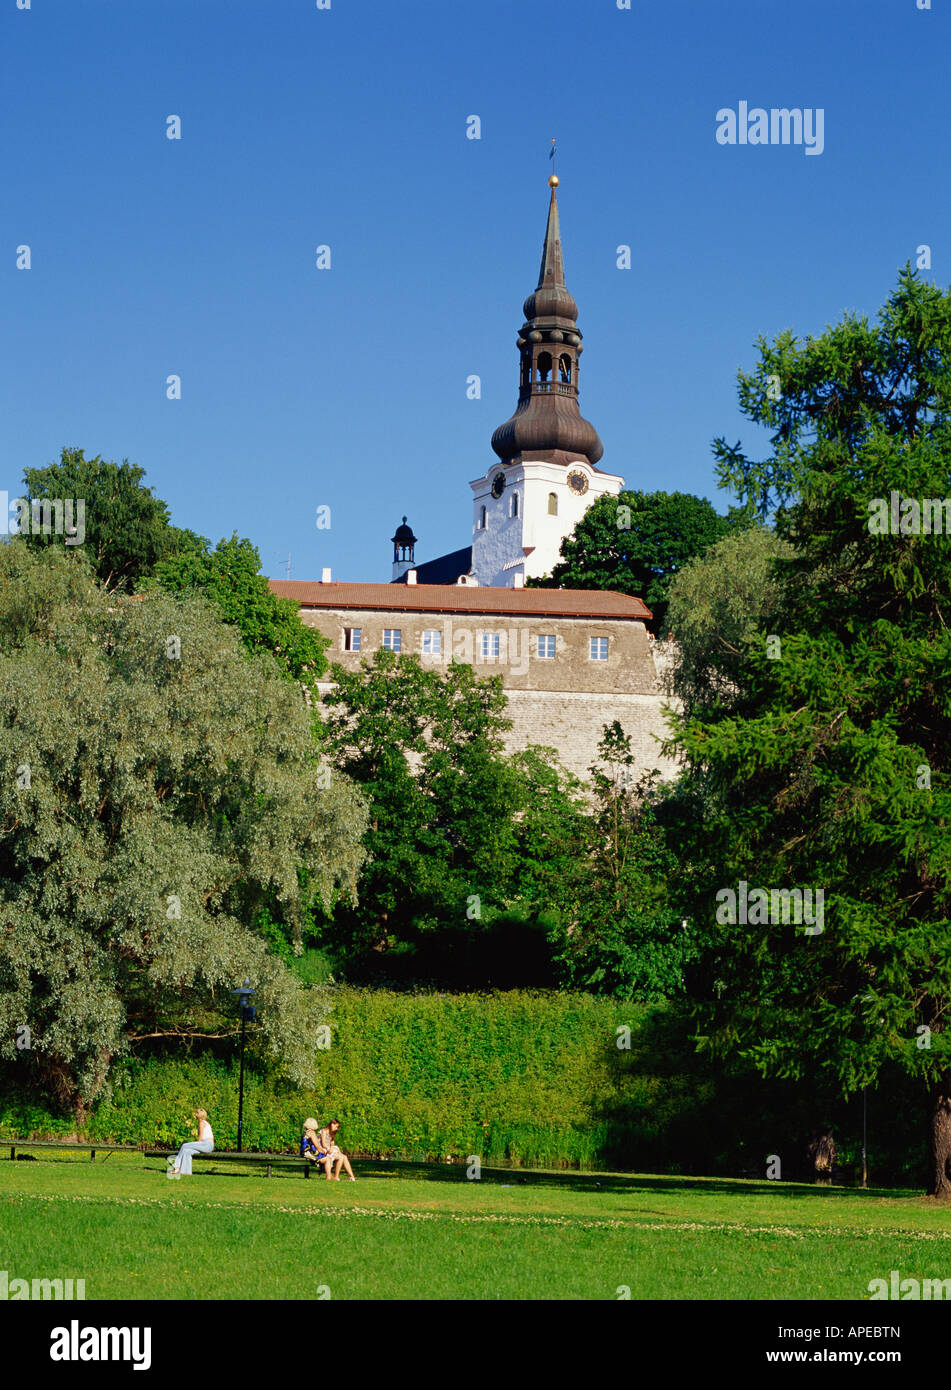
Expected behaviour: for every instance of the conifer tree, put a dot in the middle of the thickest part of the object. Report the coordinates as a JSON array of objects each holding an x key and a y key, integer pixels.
[{"x": 835, "y": 776}]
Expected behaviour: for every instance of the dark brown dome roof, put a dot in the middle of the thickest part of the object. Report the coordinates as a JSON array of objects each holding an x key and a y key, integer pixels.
[
  {"x": 547, "y": 425},
  {"x": 404, "y": 535},
  {"x": 549, "y": 302}
]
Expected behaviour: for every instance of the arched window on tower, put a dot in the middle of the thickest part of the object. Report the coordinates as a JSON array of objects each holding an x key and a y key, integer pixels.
[
  {"x": 564, "y": 367},
  {"x": 553, "y": 504},
  {"x": 526, "y": 371},
  {"x": 544, "y": 366},
  {"x": 515, "y": 504},
  {"x": 482, "y": 519}
]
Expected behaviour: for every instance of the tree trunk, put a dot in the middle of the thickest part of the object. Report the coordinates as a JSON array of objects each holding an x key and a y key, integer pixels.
[{"x": 939, "y": 1138}]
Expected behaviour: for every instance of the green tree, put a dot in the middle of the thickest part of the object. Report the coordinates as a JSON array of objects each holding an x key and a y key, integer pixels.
[
  {"x": 835, "y": 778},
  {"x": 555, "y": 833},
  {"x": 622, "y": 938},
  {"x": 426, "y": 747},
  {"x": 157, "y": 791},
  {"x": 229, "y": 577},
  {"x": 127, "y": 528},
  {"x": 635, "y": 543},
  {"x": 719, "y": 603}
]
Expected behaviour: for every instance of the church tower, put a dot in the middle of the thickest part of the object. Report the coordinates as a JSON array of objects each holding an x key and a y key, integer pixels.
[{"x": 547, "y": 476}]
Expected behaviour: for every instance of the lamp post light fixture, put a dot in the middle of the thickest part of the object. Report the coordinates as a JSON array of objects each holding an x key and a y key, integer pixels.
[{"x": 248, "y": 1015}]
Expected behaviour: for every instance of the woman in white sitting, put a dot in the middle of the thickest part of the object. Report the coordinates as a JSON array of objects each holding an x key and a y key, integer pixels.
[{"x": 182, "y": 1163}]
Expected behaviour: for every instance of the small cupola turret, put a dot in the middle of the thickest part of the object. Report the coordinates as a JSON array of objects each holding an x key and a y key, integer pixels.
[{"x": 404, "y": 550}]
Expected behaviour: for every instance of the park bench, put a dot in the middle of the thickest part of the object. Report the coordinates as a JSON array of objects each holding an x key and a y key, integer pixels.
[
  {"x": 92, "y": 1145},
  {"x": 270, "y": 1161}
]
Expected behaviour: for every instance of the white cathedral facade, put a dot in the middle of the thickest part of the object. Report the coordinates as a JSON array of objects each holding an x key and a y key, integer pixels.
[{"x": 523, "y": 515}]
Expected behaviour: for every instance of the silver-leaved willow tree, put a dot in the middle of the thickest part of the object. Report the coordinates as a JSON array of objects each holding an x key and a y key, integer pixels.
[{"x": 158, "y": 788}]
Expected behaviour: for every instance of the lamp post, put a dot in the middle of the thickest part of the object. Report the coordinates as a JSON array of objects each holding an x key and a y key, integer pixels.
[
  {"x": 683, "y": 942},
  {"x": 248, "y": 1014},
  {"x": 865, "y": 999}
]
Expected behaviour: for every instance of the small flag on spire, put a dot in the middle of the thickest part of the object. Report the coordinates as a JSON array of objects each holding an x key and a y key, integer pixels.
[{"x": 552, "y": 155}]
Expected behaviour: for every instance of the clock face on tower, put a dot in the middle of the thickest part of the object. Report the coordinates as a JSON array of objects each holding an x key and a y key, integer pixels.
[
  {"x": 498, "y": 485},
  {"x": 578, "y": 483}
]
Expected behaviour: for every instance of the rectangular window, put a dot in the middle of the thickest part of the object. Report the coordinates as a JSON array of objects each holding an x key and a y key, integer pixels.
[
  {"x": 546, "y": 646},
  {"x": 598, "y": 649},
  {"x": 392, "y": 639},
  {"x": 352, "y": 637},
  {"x": 432, "y": 642},
  {"x": 490, "y": 645}
]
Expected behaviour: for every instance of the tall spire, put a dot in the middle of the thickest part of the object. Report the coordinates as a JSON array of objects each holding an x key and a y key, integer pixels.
[
  {"x": 551, "y": 299},
  {"x": 552, "y": 269},
  {"x": 547, "y": 423}
]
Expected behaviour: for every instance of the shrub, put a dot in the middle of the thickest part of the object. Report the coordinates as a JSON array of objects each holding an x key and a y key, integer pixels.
[{"x": 522, "y": 1076}]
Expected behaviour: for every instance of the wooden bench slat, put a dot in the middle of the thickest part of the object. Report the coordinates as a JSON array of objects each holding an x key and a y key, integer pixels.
[
  {"x": 68, "y": 1144},
  {"x": 224, "y": 1155},
  {"x": 238, "y": 1158},
  {"x": 269, "y": 1160}
]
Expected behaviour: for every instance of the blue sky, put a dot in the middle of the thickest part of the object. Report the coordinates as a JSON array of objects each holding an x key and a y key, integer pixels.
[{"x": 347, "y": 127}]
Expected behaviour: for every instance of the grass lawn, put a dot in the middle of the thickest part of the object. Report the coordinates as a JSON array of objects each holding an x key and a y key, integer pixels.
[{"x": 410, "y": 1232}]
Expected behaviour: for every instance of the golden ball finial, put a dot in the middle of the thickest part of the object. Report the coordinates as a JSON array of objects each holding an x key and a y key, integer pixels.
[{"x": 553, "y": 181}]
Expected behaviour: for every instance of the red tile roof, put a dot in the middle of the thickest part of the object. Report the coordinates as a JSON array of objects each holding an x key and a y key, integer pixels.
[{"x": 463, "y": 598}]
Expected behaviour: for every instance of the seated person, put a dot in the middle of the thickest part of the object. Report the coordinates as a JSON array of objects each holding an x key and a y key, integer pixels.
[
  {"x": 310, "y": 1146},
  {"x": 181, "y": 1165},
  {"x": 327, "y": 1141}
]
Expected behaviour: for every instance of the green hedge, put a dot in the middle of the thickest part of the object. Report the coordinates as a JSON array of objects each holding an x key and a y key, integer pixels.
[{"x": 524, "y": 1076}]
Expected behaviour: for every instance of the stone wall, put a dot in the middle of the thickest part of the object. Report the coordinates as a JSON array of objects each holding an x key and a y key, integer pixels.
[
  {"x": 572, "y": 722},
  {"x": 629, "y": 668},
  {"x": 561, "y": 703}
]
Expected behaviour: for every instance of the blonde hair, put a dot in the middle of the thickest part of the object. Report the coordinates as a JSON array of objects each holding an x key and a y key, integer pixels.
[{"x": 201, "y": 1114}]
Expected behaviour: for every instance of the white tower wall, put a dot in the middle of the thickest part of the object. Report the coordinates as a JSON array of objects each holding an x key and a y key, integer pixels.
[{"x": 530, "y": 542}]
